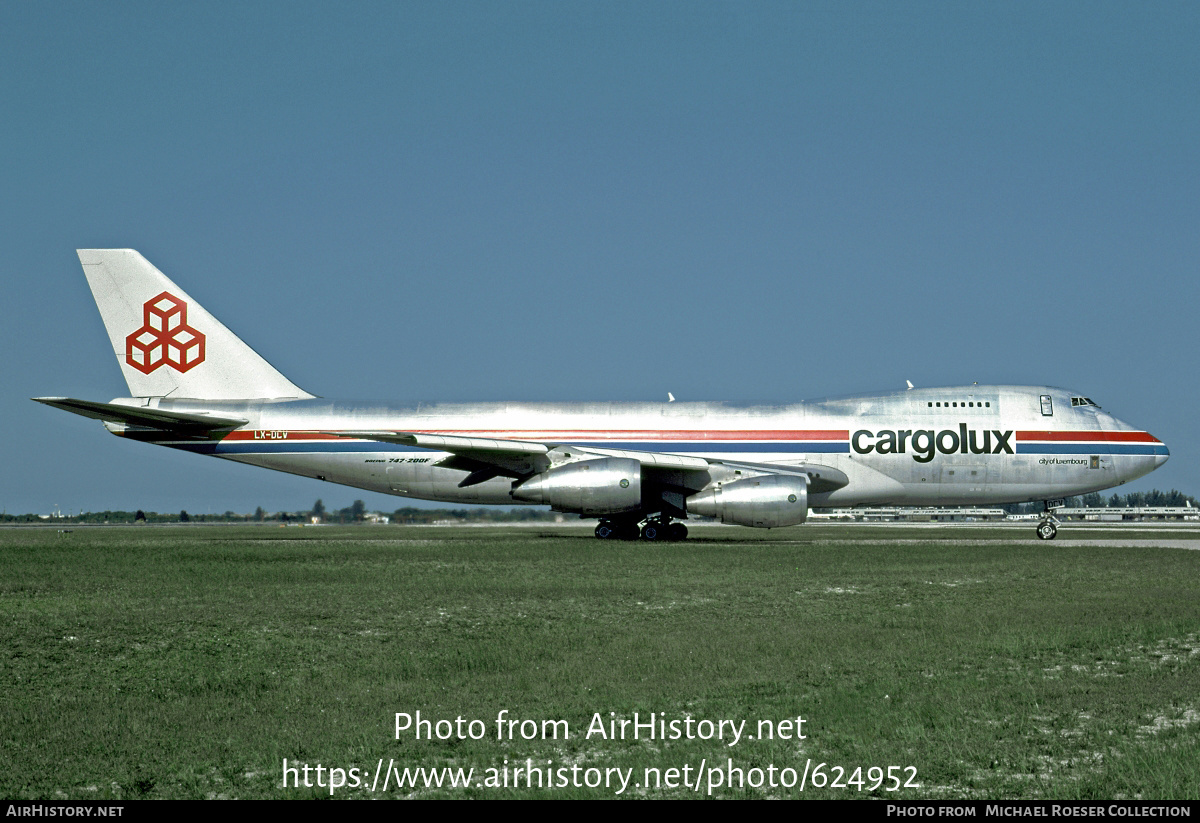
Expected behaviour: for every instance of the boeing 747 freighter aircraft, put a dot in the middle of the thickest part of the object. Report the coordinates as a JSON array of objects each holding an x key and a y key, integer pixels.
[{"x": 638, "y": 467}]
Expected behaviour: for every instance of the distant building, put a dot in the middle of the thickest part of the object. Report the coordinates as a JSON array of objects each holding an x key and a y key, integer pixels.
[
  {"x": 911, "y": 514},
  {"x": 915, "y": 514},
  {"x": 1133, "y": 513}
]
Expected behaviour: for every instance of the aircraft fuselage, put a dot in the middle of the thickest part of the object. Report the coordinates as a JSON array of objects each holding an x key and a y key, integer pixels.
[
  {"x": 635, "y": 466},
  {"x": 947, "y": 446}
]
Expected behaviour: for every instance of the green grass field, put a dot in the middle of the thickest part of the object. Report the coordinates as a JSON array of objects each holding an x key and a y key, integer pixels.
[{"x": 191, "y": 661}]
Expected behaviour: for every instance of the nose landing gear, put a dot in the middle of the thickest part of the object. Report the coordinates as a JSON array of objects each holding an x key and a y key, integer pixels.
[{"x": 1047, "y": 528}]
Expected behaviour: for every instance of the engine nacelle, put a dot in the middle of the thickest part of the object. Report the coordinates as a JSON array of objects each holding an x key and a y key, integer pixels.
[
  {"x": 765, "y": 502},
  {"x": 608, "y": 485}
]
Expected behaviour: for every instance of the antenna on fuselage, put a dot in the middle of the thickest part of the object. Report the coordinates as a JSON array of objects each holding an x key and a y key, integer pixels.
[
  {"x": 670, "y": 397},
  {"x": 910, "y": 385}
]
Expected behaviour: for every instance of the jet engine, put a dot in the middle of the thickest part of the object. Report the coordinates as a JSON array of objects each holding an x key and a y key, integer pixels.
[
  {"x": 767, "y": 502},
  {"x": 608, "y": 485}
]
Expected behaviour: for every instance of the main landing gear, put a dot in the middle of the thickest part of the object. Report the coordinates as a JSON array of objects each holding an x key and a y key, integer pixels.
[
  {"x": 663, "y": 529},
  {"x": 657, "y": 529},
  {"x": 1047, "y": 527},
  {"x": 618, "y": 530}
]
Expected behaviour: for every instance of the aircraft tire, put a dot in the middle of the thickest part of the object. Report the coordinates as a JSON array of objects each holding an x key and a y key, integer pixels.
[
  {"x": 606, "y": 531},
  {"x": 1046, "y": 530},
  {"x": 678, "y": 531},
  {"x": 654, "y": 531}
]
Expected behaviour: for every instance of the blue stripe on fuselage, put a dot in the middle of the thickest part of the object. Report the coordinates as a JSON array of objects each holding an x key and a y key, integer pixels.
[
  {"x": 350, "y": 446},
  {"x": 1091, "y": 448},
  {"x": 670, "y": 447}
]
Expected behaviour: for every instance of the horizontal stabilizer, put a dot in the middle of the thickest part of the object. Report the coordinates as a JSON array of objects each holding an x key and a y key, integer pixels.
[{"x": 142, "y": 416}]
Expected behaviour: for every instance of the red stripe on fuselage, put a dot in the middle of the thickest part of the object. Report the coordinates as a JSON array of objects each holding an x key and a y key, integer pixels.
[
  {"x": 783, "y": 435},
  {"x": 606, "y": 434},
  {"x": 647, "y": 434},
  {"x": 1103, "y": 437}
]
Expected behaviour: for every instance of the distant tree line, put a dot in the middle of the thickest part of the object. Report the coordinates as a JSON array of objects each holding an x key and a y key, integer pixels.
[
  {"x": 357, "y": 512},
  {"x": 413, "y": 515},
  {"x": 129, "y": 517},
  {"x": 1096, "y": 500}
]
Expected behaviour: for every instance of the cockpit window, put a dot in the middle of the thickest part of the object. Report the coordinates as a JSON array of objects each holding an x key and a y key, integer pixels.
[{"x": 1083, "y": 401}]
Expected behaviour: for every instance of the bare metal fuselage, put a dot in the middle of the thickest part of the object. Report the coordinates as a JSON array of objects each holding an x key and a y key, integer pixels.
[
  {"x": 635, "y": 466},
  {"x": 951, "y": 446}
]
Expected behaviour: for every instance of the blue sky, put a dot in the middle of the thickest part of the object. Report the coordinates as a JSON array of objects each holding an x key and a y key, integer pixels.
[{"x": 568, "y": 201}]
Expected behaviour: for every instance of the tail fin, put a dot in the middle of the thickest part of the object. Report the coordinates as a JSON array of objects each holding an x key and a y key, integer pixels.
[{"x": 166, "y": 343}]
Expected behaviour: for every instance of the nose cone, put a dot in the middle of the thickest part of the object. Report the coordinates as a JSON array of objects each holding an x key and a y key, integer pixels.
[
  {"x": 1136, "y": 452},
  {"x": 1161, "y": 454}
]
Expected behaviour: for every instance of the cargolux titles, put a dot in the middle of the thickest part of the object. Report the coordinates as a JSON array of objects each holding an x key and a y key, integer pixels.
[{"x": 924, "y": 444}]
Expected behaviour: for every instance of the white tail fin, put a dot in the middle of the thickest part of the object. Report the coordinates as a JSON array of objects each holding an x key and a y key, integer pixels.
[{"x": 166, "y": 343}]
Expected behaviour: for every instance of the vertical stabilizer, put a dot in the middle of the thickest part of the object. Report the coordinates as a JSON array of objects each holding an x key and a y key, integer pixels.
[{"x": 166, "y": 343}]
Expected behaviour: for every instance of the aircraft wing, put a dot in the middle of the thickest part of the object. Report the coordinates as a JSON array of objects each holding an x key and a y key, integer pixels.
[
  {"x": 468, "y": 446},
  {"x": 820, "y": 478},
  {"x": 488, "y": 457},
  {"x": 484, "y": 458}
]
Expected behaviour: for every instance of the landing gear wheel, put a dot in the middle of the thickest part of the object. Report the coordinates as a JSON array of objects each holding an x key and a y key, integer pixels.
[
  {"x": 663, "y": 530},
  {"x": 617, "y": 530},
  {"x": 1046, "y": 530},
  {"x": 654, "y": 531}
]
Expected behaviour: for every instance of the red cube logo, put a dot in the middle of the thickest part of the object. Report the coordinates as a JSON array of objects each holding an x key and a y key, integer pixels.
[{"x": 165, "y": 337}]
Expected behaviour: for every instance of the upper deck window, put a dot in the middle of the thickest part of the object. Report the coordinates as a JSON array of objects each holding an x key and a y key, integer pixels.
[{"x": 963, "y": 404}]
